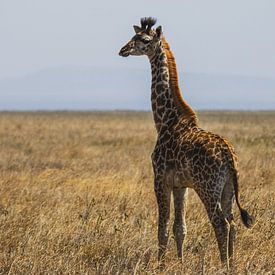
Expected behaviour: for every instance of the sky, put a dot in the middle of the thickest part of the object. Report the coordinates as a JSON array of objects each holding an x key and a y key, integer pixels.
[{"x": 214, "y": 37}]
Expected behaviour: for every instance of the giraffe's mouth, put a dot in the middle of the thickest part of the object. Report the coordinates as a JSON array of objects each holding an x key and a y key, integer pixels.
[
  {"x": 125, "y": 51},
  {"x": 124, "y": 54}
]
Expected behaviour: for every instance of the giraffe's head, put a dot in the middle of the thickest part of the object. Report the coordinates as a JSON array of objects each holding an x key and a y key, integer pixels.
[{"x": 145, "y": 41}]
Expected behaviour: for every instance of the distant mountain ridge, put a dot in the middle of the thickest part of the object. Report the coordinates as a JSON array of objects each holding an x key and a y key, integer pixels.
[{"x": 90, "y": 88}]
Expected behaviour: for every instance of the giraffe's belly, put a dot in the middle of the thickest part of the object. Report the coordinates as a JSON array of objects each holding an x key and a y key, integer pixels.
[{"x": 183, "y": 179}]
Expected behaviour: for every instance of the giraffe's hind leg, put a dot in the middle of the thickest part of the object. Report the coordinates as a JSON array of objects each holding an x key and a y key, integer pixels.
[
  {"x": 221, "y": 228},
  {"x": 179, "y": 227},
  {"x": 227, "y": 203},
  {"x": 220, "y": 224}
]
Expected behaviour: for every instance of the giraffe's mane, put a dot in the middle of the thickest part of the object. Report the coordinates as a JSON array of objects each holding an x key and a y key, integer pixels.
[{"x": 184, "y": 109}]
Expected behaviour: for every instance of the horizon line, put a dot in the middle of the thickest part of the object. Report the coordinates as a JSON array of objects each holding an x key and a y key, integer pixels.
[{"x": 125, "y": 110}]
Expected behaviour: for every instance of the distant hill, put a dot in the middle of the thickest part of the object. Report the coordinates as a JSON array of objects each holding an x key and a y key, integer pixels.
[{"x": 89, "y": 88}]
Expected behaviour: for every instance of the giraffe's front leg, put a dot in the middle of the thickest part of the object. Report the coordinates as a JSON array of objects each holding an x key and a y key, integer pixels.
[
  {"x": 179, "y": 227},
  {"x": 163, "y": 195}
]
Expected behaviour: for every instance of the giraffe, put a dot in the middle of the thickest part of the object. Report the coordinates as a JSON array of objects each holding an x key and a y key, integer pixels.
[{"x": 186, "y": 156}]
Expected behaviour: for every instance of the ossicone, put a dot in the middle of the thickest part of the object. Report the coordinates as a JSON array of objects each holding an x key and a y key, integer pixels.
[{"x": 146, "y": 24}]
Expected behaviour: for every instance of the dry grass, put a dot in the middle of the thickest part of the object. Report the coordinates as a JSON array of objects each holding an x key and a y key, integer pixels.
[{"x": 77, "y": 195}]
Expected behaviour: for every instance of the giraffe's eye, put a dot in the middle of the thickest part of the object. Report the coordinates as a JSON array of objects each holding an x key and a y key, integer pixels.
[{"x": 145, "y": 40}]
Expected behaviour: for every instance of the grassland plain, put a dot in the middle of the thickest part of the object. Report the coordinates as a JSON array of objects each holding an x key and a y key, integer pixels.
[{"x": 76, "y": 195}]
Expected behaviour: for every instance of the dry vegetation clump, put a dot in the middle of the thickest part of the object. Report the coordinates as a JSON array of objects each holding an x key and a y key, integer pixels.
[{"x": 76, "y": 195}]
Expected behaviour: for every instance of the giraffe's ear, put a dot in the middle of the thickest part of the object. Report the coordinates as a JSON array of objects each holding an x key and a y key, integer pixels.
[
  {"x": 159, "y": 31},
  {"x": 137, "y": 29}
]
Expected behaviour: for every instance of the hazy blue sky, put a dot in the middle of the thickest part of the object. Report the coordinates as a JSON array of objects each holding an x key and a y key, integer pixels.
[{"x": 210, "y": 37}]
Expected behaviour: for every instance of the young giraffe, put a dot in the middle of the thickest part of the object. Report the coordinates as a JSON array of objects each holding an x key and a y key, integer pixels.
[{"x": 185, "y": 156}]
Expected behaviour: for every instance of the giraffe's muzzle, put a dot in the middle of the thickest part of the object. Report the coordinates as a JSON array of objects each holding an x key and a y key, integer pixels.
[{"x": 125, "y": 51}]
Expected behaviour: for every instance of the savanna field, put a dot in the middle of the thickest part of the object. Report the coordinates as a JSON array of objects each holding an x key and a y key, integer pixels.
[{"x": 76, "y": 195}]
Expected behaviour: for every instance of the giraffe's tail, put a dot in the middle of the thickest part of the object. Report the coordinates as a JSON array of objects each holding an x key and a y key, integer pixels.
[{"x": 247, "y": 219}]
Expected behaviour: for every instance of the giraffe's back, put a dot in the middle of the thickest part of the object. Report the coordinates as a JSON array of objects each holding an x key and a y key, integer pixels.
[
  {"x": 195, "y": 156},
  {"x": 204, "y": 157}
]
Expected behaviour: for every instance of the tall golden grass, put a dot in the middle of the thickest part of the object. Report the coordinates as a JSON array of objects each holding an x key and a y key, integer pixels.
[{"x": 76, "y": 195}]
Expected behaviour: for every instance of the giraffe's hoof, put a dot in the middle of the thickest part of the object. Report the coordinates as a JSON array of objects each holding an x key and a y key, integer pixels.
[
  {"x": 180, "y": 261},
  {"x": 161, "y": 266}
]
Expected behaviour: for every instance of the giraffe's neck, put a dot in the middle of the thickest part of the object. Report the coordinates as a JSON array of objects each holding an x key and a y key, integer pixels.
[{"x": 167, "y": 103}]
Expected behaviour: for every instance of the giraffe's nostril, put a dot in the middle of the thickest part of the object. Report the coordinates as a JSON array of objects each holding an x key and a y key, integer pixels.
[{"x": 124, "y": 52}]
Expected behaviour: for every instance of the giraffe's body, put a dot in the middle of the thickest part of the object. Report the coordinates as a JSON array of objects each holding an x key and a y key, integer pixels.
[{"x": 185, "y": 156}]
